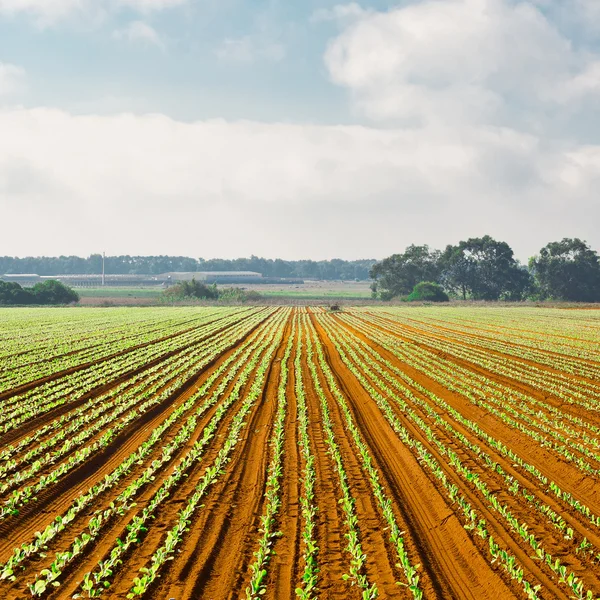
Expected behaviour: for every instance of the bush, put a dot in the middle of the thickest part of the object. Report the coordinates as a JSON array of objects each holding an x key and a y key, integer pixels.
[
  {"x": 53, "y": 292},
  {"x": 192, "y": 289},
  {"x": 232, "y": 294},
  {"x": 13, "y": 293},
  {"x": 48, "y": 292},
  {"x": 427, "y": 291},
  {"x": 186, "y": 290}
]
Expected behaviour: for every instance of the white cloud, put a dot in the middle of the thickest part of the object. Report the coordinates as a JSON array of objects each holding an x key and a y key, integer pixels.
[
  {"x": 12, "y": 78},
  {"x": 139, "y": 32},
  {"x": 342, "y": 13},
  {"x": 250, "y": 48},
  {"x": 150, "y": 5},
  {"x": 150, "y": 184},
  {"x": 473, "y": 61},
  {"x": 465, "y": 94}
]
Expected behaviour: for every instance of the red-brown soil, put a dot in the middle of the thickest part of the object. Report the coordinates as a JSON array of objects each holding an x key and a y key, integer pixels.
[{"x": 214, "y": 558}]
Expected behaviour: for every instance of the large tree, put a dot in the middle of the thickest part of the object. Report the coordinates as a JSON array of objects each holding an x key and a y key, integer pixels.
[
  {"x": 398, "y": 274},
  {"x": 567, "y": 270},
  {"x": 484, "y": 269}
]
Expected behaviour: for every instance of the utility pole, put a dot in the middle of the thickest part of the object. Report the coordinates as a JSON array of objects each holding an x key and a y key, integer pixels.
[{"x": 103, "y": 257}]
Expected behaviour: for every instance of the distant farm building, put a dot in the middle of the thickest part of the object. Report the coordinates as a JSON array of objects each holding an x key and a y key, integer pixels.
[
  {"x": 164, "y": 279},
  {"x": 213, "y": 276},
  {"x": 25, "y": 279}
]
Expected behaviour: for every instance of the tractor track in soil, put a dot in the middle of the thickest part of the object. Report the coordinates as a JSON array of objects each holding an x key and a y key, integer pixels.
[
  {"x": 581, "y": 486},
  {"x": 451, "y": 564},
  {"x": 56, "y": 498},
  {"x": 213, "y": 559},
  {"x": 283, "y": 572},
  {"x": 118, "y": 527},
  {"x": 524, "y": 513},
  {"x": 333, "y": 559},
  {"x": 380, "y": 566}
]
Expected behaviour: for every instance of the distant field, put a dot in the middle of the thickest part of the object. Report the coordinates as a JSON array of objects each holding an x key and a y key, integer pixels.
[
  {"x": 316, "y": 294},
  {"x": 316, "y": 289},
  {"x": 119, "y": 292},
  {"x": 311, "y": 290}
]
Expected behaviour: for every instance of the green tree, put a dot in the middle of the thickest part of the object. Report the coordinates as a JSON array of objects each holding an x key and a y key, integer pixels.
[
  {"x": 12, "y": 293},
  {"x": 53, "y": 292},
  {"x": 484, "y": 269},
  {"x": 398, "y": 274},
  {"x": 567, "y": 270},
  {"x": 427, "y": 291}
]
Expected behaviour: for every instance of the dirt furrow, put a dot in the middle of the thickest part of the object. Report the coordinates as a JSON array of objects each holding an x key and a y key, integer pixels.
[
  {"x": 64, "y": 372},
  {"x": 522, "y": 511},
  {"x": 117, "y": 528},
  {"x": 53, "y": 500},
  {"x": 584, "y": 488},
  {"x": 453, "y": 566},
  {"x": 284, "y": 564},
  {"x": 333, "y": 559},
  {"x": 506, "y": 380},
  {"x": 216, "y": 554}
]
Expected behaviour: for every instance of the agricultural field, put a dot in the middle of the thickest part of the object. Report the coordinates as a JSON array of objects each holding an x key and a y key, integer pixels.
[
  {"x": 280, "y": 453},
  {"x": 351, "y": 291}
]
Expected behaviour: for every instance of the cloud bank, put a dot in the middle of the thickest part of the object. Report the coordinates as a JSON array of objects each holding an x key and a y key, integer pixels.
[
  {"x": 478, "y": 117},
  {"x": 463, "y": 61},
  {"x": 141, "y": 183}
]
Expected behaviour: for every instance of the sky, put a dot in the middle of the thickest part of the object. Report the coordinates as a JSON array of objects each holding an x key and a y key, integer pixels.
[{"x": 313, "y": 129}]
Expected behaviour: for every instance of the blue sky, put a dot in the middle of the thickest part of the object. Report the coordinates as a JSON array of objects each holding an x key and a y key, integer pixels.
[
  {"x": 80, "y": 62},
  {"x": 302, "y": 129}
]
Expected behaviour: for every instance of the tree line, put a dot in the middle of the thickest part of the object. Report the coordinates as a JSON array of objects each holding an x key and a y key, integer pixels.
[
  {"x": 335, "y": 269},
  {"x": 486, "y": 269}
]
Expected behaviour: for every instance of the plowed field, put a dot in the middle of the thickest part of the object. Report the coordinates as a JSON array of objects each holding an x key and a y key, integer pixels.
[{"x": 280, "y": 453}]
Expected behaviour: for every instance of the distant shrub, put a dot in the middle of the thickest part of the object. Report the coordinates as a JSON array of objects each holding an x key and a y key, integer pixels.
[
  {"x": 232, "y": 294},
  {"x": 13, "y": 293},
  {"x": 196, "y": 290},
  {"x": 192, "y": 289},
  {"x": 53, "y": 292},
  {"x": 48, "y": 292},
  {"x": 427, "y": 291}
]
